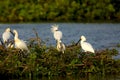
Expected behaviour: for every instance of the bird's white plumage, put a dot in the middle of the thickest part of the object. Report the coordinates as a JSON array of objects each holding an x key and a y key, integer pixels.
[
  {"x": 6, "y": 35},
  {"x": 87, "y": 47},
  {"x": 60, "y": 46},
  {"x": 56, "y": 33},
  {"x": 20, "y": 44}
]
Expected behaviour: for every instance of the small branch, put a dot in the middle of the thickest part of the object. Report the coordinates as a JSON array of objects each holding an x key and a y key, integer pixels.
[{"x": 38, "y": 39}]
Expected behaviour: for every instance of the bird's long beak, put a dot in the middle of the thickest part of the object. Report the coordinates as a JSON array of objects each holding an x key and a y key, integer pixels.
[
  {"x": 56, "y": 30},
  {"x": 12, "y": 33},
  {"x": 78, "y": 41}
]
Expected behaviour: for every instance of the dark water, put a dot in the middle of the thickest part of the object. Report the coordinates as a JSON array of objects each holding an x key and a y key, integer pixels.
[{"x": 101, "y": 36}]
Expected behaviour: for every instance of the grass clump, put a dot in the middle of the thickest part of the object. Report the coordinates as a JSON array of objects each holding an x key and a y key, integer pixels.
[{"x": 47, "y": 61}]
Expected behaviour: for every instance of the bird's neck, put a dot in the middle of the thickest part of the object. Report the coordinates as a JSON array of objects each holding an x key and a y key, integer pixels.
[
  {"x": 16, "y": 36},
  {"x": 81, "y": 41}
]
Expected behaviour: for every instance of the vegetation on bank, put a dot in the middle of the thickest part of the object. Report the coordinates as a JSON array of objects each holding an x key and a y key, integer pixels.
[
  {"x": 47, "y": 61},
  {"x": 59, "y": 10}
]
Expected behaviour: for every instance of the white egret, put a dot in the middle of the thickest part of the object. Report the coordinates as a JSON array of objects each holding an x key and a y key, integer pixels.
[
  {"x": 20, "y": 44},
  {"x": 57, "y": 34},
  {"x": 60, "y": 46},
  {"x": 7, "y": 35},
  {"x": 87, "y": 47}
]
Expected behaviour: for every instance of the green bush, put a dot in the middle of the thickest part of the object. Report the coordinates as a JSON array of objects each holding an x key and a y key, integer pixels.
[
  {"x": 59, "y": 10},
  {"x": 47, "y": 61}
]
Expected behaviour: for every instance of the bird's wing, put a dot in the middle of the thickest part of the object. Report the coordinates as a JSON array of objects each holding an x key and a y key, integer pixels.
[
  {"x": 21, "y": 44},
  {"x": 87, "y": 47},
  {"x": 6, "y": 36},
  {"x": 24, "y": 44}
]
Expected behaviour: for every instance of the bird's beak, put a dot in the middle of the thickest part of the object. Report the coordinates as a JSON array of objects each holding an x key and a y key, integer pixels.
[
  {"x": 78, "y": 41},
  {"x": 12, "y": 33}
]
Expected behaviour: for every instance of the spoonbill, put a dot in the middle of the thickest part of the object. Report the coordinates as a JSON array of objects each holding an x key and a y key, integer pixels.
[
  {"x": 7, "y": 35},
  {"x": 60, "y": 46},
  {"x": 56, "y": 33},
  {"x": 20, "y": 44},
  {"x": 87, "y": 47}
]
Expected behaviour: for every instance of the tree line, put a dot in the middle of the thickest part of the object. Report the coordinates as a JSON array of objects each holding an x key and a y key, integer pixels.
[{"x": 59, "y": 10}]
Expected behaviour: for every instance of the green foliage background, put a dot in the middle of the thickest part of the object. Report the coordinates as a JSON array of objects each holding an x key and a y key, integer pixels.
[{"x": 59, "y": 10}]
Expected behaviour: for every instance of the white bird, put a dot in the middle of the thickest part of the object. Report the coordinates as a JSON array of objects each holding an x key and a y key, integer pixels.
[
  {"x": 20, "y": 44},
  {"x": 56, "y": 33},
  {"x": 87, "y": 47},
  {"x": 60, "y": 46},
  {"x": 7, "y": 35}
]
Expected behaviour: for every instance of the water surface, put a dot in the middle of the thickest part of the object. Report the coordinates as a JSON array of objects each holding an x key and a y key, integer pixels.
[{"x": 99, "y": 35}]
